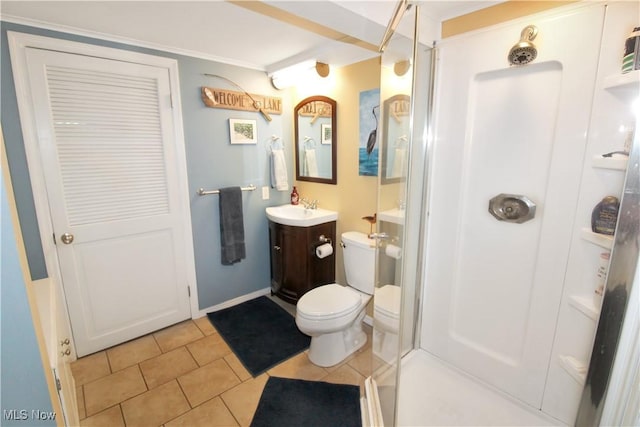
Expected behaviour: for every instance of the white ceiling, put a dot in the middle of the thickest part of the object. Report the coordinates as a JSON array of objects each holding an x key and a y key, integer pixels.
[{"x": 224, "y": 32}]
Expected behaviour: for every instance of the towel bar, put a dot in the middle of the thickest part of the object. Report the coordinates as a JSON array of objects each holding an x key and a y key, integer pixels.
[{"x": 202, "y": 192}]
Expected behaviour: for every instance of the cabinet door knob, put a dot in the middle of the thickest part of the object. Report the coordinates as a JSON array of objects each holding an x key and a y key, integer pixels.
[
  {"x": 276, "y": 248},
  {"x": 66, "y": 341},
  {"x": 66, "y": 352}
]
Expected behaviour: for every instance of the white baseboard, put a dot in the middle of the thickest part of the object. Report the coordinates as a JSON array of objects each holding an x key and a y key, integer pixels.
[{"x": 231, "y": 302}]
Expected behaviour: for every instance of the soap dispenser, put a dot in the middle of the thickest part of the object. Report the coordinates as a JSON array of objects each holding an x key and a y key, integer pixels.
[{"x": 605, "y": 216}]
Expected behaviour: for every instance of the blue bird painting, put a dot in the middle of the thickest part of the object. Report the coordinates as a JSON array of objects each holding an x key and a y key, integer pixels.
[
  {"x": 371, "y": 142},
  {"x": 368, "y": 146}
]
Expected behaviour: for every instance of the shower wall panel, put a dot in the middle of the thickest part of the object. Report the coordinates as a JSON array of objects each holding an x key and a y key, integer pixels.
[
  {"x": 513, "y": 124},
  {"x": 493, "y": 288}
]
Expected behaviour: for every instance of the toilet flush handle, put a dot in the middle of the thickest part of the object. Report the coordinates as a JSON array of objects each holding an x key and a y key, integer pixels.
[{"x": 381, "y": 236}]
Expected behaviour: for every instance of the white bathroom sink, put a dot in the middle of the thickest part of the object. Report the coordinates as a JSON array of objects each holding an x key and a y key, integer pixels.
[
  {"x": 298, "y": 216},
  {"x": 392, "y": 215}
]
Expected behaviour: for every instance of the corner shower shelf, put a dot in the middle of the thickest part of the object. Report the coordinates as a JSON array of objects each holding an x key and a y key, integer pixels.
[
  {"x": 585, "y": 305},
  {"x": 596, "y": 238},
  {"x": 614, "y": 163},
  {"x": 574, "y": 367},
  {"x": 622, "y": 81}
]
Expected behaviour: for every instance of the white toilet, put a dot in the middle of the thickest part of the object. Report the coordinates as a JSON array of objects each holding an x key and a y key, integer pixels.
[
  {"x": 386, "y": 322},
  {"x": 332, "y": 314}
]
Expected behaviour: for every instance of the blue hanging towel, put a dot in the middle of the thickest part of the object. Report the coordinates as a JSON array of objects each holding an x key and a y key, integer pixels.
[{"x": 231, "y": 225}]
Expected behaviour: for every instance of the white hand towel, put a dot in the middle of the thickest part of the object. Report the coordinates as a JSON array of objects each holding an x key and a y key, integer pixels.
[
  {"x": 279, "y": 178},
  {"x": 399, "y": 163},
  {"x": 311, "y": 162}
]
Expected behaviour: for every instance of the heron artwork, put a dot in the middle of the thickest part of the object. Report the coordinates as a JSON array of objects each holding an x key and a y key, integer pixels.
[{"x": 371, "y": 142}]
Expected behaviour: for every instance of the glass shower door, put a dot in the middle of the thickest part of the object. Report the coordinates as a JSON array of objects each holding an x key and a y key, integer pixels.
[{"x": 405, "y": 89}]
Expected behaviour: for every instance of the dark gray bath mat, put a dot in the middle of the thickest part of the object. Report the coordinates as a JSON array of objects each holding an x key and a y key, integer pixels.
[
  {"x": 295, "y": 403},
  {"x": 260, "y": 333}
]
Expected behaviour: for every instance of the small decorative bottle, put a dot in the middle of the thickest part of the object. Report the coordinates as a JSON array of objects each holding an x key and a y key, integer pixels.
[
  {"x": 631, "y": 56},
  {"x": 605, "y": 216},
  {"x": 294, "y": 196}
]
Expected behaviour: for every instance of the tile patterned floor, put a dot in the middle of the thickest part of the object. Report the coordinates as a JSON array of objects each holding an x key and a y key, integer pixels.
[{"x": 186, "y": 375}]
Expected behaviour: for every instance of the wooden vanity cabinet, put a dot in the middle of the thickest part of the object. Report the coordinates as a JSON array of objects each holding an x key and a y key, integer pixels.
[{"x": 295, "y": 268}]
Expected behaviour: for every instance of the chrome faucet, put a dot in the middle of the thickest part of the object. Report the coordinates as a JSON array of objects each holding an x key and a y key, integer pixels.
[{"x": 313, "y": 204}]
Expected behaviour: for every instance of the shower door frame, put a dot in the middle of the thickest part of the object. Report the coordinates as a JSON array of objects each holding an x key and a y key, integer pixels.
[{"x": 415, "y": 190}]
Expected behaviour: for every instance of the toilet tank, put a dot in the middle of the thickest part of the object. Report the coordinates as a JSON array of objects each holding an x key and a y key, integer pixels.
[{"x": 359, "y": 261}]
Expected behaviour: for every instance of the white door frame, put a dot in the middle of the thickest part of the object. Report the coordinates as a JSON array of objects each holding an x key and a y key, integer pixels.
[{"x": 18, "y": 43}]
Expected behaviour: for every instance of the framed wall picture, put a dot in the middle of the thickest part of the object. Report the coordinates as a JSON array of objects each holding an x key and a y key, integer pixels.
[
  {"x": 325, "y": 130},
  {"x": 368, "y": 149},
  {"x": 242, "y": 131}
]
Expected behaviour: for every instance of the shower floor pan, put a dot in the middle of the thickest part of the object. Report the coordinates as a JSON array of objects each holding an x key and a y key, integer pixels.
[{"x": 432, "y": 393}]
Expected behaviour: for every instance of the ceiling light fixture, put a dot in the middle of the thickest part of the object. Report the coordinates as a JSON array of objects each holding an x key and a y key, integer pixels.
[
  {"x": 297, "y": 73},
  {"x": 400, "y": 68}
]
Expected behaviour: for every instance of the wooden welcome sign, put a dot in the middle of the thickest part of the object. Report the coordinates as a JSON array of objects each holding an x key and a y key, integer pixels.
[
  {"x": 400, "y": 108},
  {"x": 315, "y": 109},
  {"x": 232, "y": 100}
]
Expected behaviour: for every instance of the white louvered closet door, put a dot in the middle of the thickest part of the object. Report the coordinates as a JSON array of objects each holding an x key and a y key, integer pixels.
[{"x": 108, "y": 154}]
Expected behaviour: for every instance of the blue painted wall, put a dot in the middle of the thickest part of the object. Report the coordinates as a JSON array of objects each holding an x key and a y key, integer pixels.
[
  {"x": 23, "y": 387},
  {"x": 212, "y": 162}
]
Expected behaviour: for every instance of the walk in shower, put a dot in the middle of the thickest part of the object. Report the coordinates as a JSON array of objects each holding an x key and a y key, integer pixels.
[{"x": 491, "y": 209}]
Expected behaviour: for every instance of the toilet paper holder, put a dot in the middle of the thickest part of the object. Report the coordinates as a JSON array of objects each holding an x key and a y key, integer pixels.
[{"x": 323, "y": 239}]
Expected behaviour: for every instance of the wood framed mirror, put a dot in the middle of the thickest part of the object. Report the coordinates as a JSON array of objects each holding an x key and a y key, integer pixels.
[{"x": 315, "y": 140}]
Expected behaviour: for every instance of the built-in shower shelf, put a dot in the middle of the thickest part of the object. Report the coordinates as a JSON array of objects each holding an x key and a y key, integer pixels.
[
  {"x": 585, "y": 305},
  {"x": 596, "y": 238},
  {"x": 575, "y": 368},
  {"x": 623, "y": 81},
  {"x": 615, "y": 163}
]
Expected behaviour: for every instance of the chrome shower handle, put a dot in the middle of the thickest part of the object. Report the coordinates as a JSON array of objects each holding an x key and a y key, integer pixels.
[{"x": 512, "y": 208}]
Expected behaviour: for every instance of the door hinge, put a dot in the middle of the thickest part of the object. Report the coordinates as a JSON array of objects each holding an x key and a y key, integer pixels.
[{"x": 189, "y": 291}]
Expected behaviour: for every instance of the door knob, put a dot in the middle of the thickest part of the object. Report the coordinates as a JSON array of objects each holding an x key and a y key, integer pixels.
[{"x": 66, "y": 238}]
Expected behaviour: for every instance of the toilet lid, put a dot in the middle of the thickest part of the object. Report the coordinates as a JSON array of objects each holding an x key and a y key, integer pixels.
[
  {"x": 328, "y": 302},
  {"x": 387, "y": 300}
]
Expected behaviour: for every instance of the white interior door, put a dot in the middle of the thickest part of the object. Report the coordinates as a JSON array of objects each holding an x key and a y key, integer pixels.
[
  {"x": 493, "y": 288},
  {"x": 108, "y": 154}
]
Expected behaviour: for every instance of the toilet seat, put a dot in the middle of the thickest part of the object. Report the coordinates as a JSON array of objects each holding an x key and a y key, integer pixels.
[
  {"x": 387, "y": 301},
  {"x": 328, "y": 302}
]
